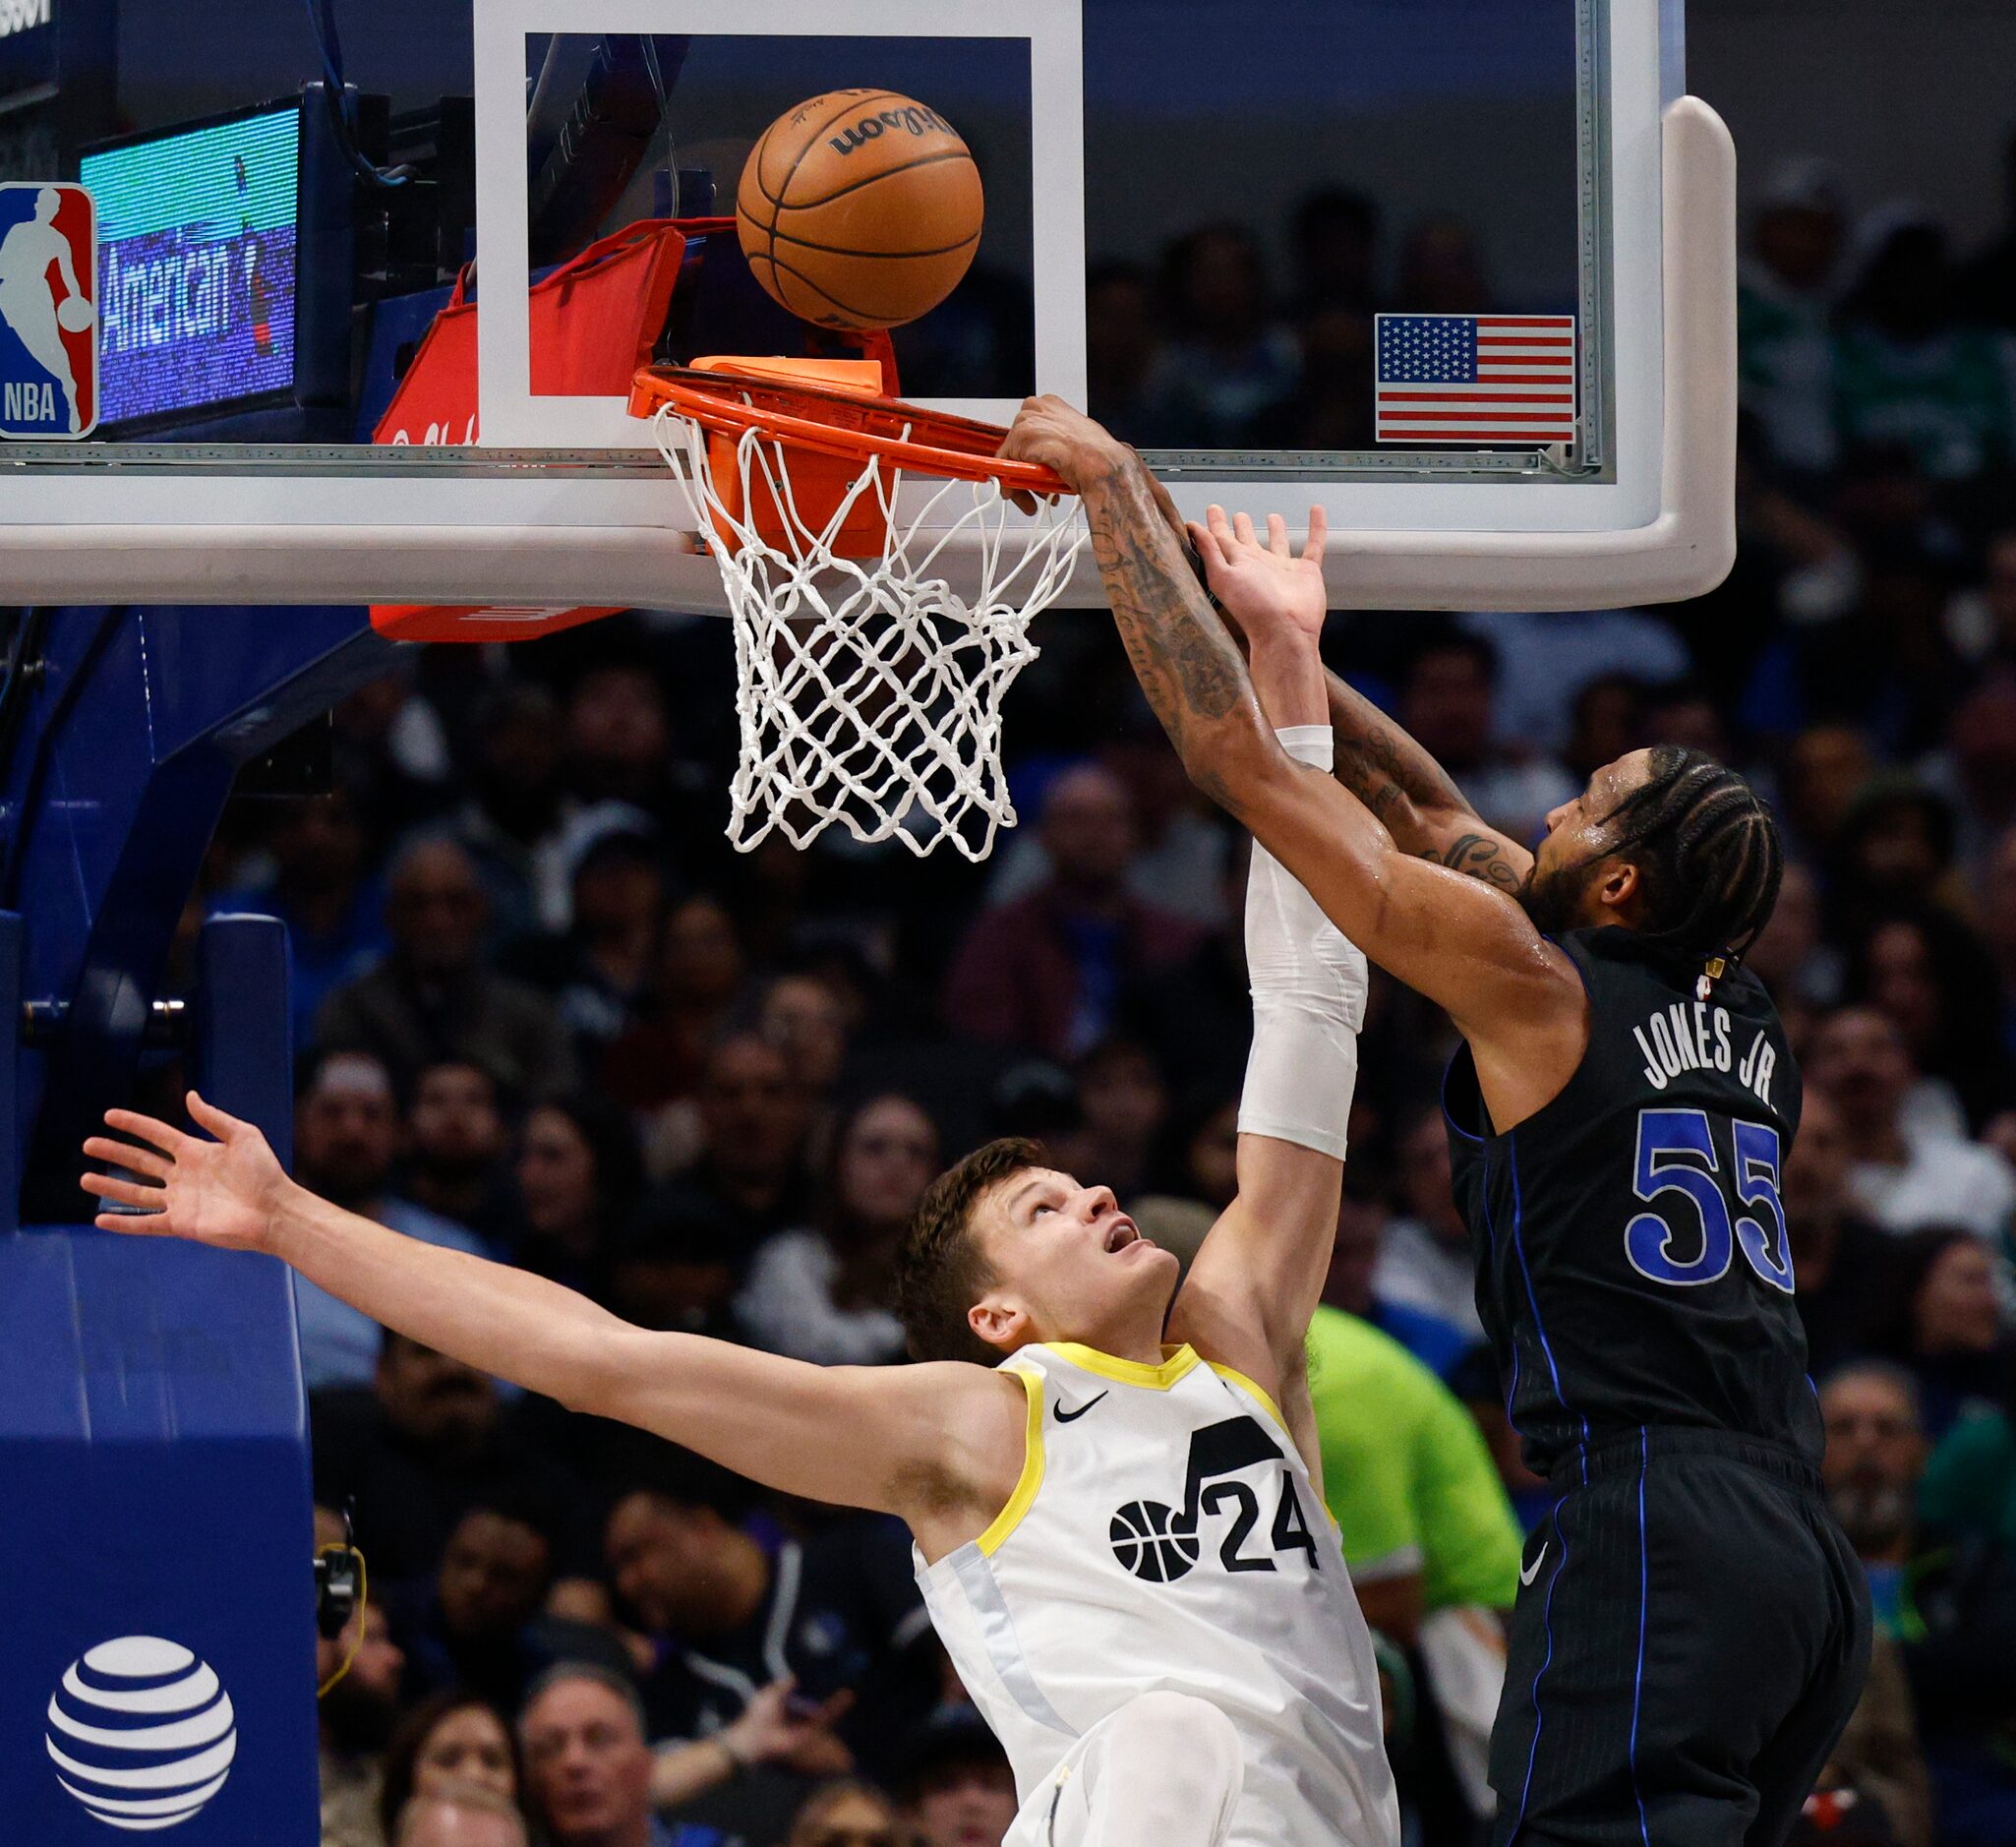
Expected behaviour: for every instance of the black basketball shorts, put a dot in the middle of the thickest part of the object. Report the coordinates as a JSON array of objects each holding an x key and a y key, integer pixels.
[{"x": 1690, "y": 1636}]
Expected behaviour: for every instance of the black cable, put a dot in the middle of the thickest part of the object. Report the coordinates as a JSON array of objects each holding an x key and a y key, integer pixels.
[{"x": 328, "y": 44}]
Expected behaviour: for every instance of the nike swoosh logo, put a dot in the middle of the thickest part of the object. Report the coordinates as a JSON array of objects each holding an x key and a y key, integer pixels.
[
  {"x": 1528, "y": 1573},
  {"x": 1071, "y": 1418}
]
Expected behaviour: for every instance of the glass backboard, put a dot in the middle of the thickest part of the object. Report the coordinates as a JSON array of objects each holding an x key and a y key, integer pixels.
[{"x": 369, "y": 275}]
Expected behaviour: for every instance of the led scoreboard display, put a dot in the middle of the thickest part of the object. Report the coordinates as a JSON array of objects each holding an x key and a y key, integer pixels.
[{"x": 197, "y": 254}]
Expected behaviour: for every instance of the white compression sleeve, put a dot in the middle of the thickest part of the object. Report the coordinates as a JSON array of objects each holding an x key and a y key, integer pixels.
[{"x": 1307, "y": 982}]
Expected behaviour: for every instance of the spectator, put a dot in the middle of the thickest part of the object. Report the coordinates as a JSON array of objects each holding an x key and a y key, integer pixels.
[
  {"x": 1353, "y": 1264},
  {"x": 481, "y": 1623},
  {"x": 1446, "y": 701},
  {"x": 1475, "y": 1379},
  {"x": 419, "y": 1447},
  {"x": 1792, "y": 958},
  {"x": 1426, "y": 1262},
  {"x": 1229, "y": 358},
  {"x": 846, "y": 1813},
  {"x": 449, "y": 1740},
  {"x": 1969, "y": 1482},
  {"x": 1893, "y": 852},
  {"x": 618, "y": 739},
  {"x": 1998, "y": 925},
  {"x": 1875, "y": 1454},
  {"x": 1785, "y": 308},
  {"x": 511, "y": 824},
  {"x": 1332, "y": 403},
  {"x": 1196, "y": 1017},
  {"x": 1441, "y": 271},
  {"x": 1127, "y": 376},
  {"x": 455, "y": 1163},
  {"x": 1981, "y": 621},
  {"x": 1950, "y": 1606},
  {"x": 434, "y": 997},
  {"x": 1038, "y": 1100},
  {"x": 688, "y": 1248},
  {"x": 1934, "y": 980},
  {"x": 346, "y": 1138},
  {"x": 1681, "y": 713},
  {"x": 1182, "y": 856},
  {"x": 1200, "y": 1148},
  {"x": 805, "y": 1019},
  {"x": 821, "y": 1293},
  {"x": 388, "y": 742},
  {"x": 1824, "y": 768},
  {"x": 459, "y": 1815},
  {"x": 354, "y": 1716},
  {"x": 1125, "y": 1102},
  {"x": 699, "y": 971},
  {"x": 1907, "y": 1173},
  {"x": 1045, "y": 972},
  {"x": 598, "y": 971},
  {"x": 322, "y": 890},
  {"x": 580, "y": 1172},
  {"x": 1427, "y": 1532},
  {"x": 589, "y": 1771},
  {"x": 1837, "y": 1255},
  {"x": 1908, "y": 371},
  {"x": 1945, "y": 1324},
  {"x": 1335, "y": 241},
  {"x": 955, "y": 1786},
  {"x": 837, "y": 1609},
  {"x": 1975, "y": 771},
  {"x": 1539, "y": 664},
  {"x": 1607, "y": 720}
]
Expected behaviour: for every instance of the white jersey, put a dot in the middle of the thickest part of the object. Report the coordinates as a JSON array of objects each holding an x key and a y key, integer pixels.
[{"x": 1164, "y": 1535}]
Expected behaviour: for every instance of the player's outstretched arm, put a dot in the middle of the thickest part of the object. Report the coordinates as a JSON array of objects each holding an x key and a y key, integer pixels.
[
  {"x": 1413, "y": 796},
  {"x": 1261, "y": 1272},
  {"x": 895, "y": 1439},
  {"x": 1279, "y": 600},
  {"x": 1461, "y": 942}
]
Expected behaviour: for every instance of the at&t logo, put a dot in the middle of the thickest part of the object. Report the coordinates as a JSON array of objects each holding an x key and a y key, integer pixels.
[{"x": 142, "y": 1733}]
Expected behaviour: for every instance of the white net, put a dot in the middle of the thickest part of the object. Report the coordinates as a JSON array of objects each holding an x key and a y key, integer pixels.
[{"x": 867, "y": 689}]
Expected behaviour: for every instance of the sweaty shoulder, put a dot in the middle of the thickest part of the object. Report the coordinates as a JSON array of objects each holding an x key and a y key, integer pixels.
[
  {"x": 1652, "y": 1033},
  {"x": 1524, "y": 1056}
]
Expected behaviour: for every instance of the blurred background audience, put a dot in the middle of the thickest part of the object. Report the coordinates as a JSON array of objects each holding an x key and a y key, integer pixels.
[{"x": 544, "y": 1015}]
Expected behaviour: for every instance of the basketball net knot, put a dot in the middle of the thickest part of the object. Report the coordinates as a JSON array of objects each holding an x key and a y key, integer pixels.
[{"x": 868, "y": 690}]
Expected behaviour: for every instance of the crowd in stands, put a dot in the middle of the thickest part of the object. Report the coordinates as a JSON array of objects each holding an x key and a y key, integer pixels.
[{"x": 544, "y": 1014}]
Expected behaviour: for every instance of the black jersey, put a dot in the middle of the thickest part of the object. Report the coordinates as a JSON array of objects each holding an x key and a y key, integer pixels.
[{"x": 1633, "y": 1264}]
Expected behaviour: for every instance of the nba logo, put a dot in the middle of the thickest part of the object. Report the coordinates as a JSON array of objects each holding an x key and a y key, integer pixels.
[{"x": 48, "y": 311}]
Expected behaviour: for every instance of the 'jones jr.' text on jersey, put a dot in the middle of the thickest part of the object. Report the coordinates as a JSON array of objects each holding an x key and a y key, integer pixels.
[{"x": 1692, "y": 1037}]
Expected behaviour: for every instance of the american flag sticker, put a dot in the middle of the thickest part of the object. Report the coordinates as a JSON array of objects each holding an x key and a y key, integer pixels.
[{"x": 1477, "y": 379}]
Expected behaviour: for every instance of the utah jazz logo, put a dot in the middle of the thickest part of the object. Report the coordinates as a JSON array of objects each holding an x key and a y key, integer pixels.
[{"x": 1162, "y": 1543}]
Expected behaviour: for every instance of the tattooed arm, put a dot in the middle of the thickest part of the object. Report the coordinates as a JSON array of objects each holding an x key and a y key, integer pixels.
[
  {"x": 1461, "y": 942},
  {"x": 1189, "y": 666},
  {"x": 1279, "y": 601},
  {"x": 1413, "y": 795}
]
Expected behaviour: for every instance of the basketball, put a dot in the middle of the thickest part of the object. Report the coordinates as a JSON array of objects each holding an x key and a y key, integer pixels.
[
  {"x": 860, "y": 208},
  {"x": 75, "y": 314}
]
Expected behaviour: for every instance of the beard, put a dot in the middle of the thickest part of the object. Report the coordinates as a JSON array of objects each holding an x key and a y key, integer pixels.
[
  {"x": 1874, "y": 1515},
  {"x": 1553, "y": 900},
  {"x": 358, "y": 1719}
]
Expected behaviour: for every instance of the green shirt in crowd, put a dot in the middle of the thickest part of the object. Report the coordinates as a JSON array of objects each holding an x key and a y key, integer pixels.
[{"x": 1405, "y": 1471}]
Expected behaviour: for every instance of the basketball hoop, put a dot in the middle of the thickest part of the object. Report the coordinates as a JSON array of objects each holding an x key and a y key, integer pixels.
[{"x": 868, "y": 689}]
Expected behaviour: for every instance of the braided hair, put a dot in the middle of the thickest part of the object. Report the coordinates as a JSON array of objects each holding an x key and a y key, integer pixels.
[{"x": 1707, "y": 852}]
